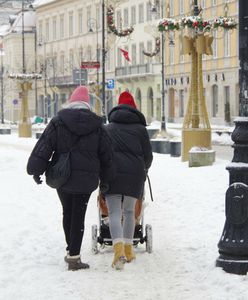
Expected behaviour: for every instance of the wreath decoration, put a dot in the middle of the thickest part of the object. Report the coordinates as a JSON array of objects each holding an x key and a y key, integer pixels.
[
  {"x": 167, "y": 24},
  {"x": 225, "y": 22},
  {"x": 195, "y": 22},
  {"x": 111, "y": 25},
  {"x": 156, "y": 51}
]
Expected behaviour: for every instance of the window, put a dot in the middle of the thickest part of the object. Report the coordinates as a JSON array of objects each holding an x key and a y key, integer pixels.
[
  {"x": 181, "y": 103},
  {"x": 214, "y": 2},
  {"x": 54, "y": 28},
  {"x": 181, "y": 8},
  {"x": 126, "y": 17},
  {"x": 88, "y": 13},
  {"x": 80, "y": 21},
  {"x": 171, "y": 7},
  {"x": 71, "y": 60},
  {"x": 203, "y": 4},
  {"x": 62, "y": 26},
  {"x": 215, "y": 48},
  {"x": 40, "y": 30},
  {"x": 119, "y": 57},
  {"x": 226, "y": 43},
  {"x": 118, "y": 19},
  {"x": 141, "y": 47},
  {"x": 47, "y": 30},
  {"x": 148, "y": 11},
  {"x": 62, "y": 63},
  {"x": 71, "y": 24},
  {"x": 125, "y": 61},
  {"x": 141, "y": 13},
  {"x": 149, "y": 46},
  {"x": 133, "y": 15},
  {"x": 215, "y": 100},
  {"x": 98, "y": 19},
  {"x": 134, "y": 58}
]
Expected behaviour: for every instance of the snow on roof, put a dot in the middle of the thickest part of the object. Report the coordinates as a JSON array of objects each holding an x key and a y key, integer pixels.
[
  {"x": 42, "y": 2},
  {"x": 29, "y": 22}
]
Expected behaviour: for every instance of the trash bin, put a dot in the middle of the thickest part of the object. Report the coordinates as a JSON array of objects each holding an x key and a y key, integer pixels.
[
  {"x": 175, "y": 148},
  {"x": 5, "y": 131},
  {"x": 38, "y": 134}
]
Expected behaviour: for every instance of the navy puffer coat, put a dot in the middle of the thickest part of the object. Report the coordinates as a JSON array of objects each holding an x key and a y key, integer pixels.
[
  {"x": 91, "y": 159},
  {"x": 132, "y": 151}
]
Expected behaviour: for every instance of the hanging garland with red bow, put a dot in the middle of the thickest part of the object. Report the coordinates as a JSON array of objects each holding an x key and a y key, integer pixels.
[
  {"x": 111, "y": 25},
  {"x": 157, "y": 49}
]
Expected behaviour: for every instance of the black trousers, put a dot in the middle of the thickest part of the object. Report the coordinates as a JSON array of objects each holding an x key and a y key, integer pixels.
[{"x": 74, "y": 209}]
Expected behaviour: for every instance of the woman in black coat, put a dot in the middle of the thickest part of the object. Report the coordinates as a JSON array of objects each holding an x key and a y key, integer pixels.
[
  {"x": 132, "y": 159},
  {"x": 78, "y": 128}
]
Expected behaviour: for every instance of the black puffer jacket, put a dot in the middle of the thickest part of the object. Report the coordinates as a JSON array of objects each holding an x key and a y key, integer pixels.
[
  {"x": 132, "y": 150},
  {"x": 90, "y": 160}
]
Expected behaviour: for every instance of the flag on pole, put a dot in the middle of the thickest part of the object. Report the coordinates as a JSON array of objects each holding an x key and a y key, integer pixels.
[{"x": 125, "y": 54}]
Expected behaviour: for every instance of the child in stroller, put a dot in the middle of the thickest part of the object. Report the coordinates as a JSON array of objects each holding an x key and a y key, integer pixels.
[{"x": 141, "y": 234}]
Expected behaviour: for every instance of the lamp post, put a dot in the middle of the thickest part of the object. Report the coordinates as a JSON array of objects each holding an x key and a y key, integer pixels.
[
  {"x": 154, "y": 10},
  {"x": 2, "y": 106},
  {"x": 243, "y": 56},
  {"x": 92, "y": 23},
  {"x": 103, "y": 62},
  {"x": 42, "y": 42}
]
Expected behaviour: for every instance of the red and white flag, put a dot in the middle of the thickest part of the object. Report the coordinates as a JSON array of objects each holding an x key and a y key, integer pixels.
[{"x": 125, "y": 54}]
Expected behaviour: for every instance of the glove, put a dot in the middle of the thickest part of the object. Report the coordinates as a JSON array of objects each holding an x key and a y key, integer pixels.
[{"x": 37, "y": 179}]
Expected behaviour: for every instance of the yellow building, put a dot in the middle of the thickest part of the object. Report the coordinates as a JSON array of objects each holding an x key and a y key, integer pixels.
[{"x": 220, "y": 70}]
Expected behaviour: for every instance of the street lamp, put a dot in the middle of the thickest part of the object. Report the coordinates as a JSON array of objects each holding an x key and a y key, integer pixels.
[
  {"x": 2, "y": 96},
  {"x": 41, "y": 43},
  {"x": 154, "y": 10},
  {"x": 103, "y": 62},
  {"x": 93, "y": 26}
]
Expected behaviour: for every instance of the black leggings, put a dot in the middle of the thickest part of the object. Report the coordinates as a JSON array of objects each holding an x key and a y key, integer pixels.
[{"x": 74, "y": 209}]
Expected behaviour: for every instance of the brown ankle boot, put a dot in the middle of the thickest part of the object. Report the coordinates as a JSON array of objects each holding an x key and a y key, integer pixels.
[
  {"x": 119, "y": 257},
  {"x": 129, "y": 253}
]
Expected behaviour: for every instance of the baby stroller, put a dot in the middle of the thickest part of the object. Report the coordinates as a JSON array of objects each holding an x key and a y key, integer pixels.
[{"x": 101, "y": 235}]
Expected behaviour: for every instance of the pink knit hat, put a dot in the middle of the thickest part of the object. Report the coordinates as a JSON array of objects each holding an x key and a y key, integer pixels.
[
  {"x": 126, "y": 98},
  {"x": 80, "y": 94}
]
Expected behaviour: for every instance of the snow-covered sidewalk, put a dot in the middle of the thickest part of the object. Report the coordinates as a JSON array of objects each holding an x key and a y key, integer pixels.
[{"x": 187, "y": 217}]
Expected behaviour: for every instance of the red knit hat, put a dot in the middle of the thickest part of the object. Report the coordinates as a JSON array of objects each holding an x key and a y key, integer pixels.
[
  {"x": 126, "y": 98},
  {"x": 81, "y": 93}
]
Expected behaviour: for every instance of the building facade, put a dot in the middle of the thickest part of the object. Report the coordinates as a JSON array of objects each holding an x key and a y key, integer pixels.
[{"x": 69, "y": 33}]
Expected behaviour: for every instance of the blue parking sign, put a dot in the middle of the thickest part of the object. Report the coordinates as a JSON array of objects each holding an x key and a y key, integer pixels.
[{"x": 110, "y": 83}]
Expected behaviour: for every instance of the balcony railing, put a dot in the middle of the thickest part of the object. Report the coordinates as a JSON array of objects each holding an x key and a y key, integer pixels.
[{"x": 133, "y": 70}]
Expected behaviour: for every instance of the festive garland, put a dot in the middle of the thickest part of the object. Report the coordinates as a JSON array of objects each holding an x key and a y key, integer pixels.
[
  {"x": 225, "y": 22},
  {"x": 111, "y": 25},
  {"x": 195, "y": 22},
  {"x": 167, "y": 24},
  {"x": 157, "y": 49}
]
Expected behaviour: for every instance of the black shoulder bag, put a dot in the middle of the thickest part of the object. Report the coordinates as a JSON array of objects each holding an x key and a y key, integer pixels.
[{"x": 59, "y": 168}]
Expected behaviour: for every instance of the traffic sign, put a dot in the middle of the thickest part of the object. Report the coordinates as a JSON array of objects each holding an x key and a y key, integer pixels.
[
  {"x": 90, "y": 65},
  {"x": 110, "y": 84}
]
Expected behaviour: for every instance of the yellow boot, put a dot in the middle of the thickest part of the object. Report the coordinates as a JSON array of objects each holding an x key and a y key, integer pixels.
[
  {"x": 129, "y": 253},
  {"x": 119, "y": 258}
]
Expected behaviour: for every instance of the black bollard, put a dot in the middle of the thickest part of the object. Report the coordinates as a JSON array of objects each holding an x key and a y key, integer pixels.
[{"x": 233, "y": 244}]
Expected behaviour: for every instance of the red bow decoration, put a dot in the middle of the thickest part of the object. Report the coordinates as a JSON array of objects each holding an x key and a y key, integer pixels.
[{"x": 125, "y": 54}]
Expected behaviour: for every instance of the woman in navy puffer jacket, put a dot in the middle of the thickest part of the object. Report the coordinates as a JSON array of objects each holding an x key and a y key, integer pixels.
[{"x": 132, "y": 159}]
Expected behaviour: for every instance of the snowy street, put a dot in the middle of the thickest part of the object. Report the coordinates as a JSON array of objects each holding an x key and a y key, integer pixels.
[{"x": 187, "y": 218}]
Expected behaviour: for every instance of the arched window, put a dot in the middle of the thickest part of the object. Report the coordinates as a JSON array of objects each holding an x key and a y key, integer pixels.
[{"x": 150, "y": 111}]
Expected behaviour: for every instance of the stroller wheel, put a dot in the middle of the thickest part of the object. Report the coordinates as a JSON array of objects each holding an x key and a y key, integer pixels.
[
  {"x": 148, "y": 238},
  {"x": 94, "y": 247}
]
